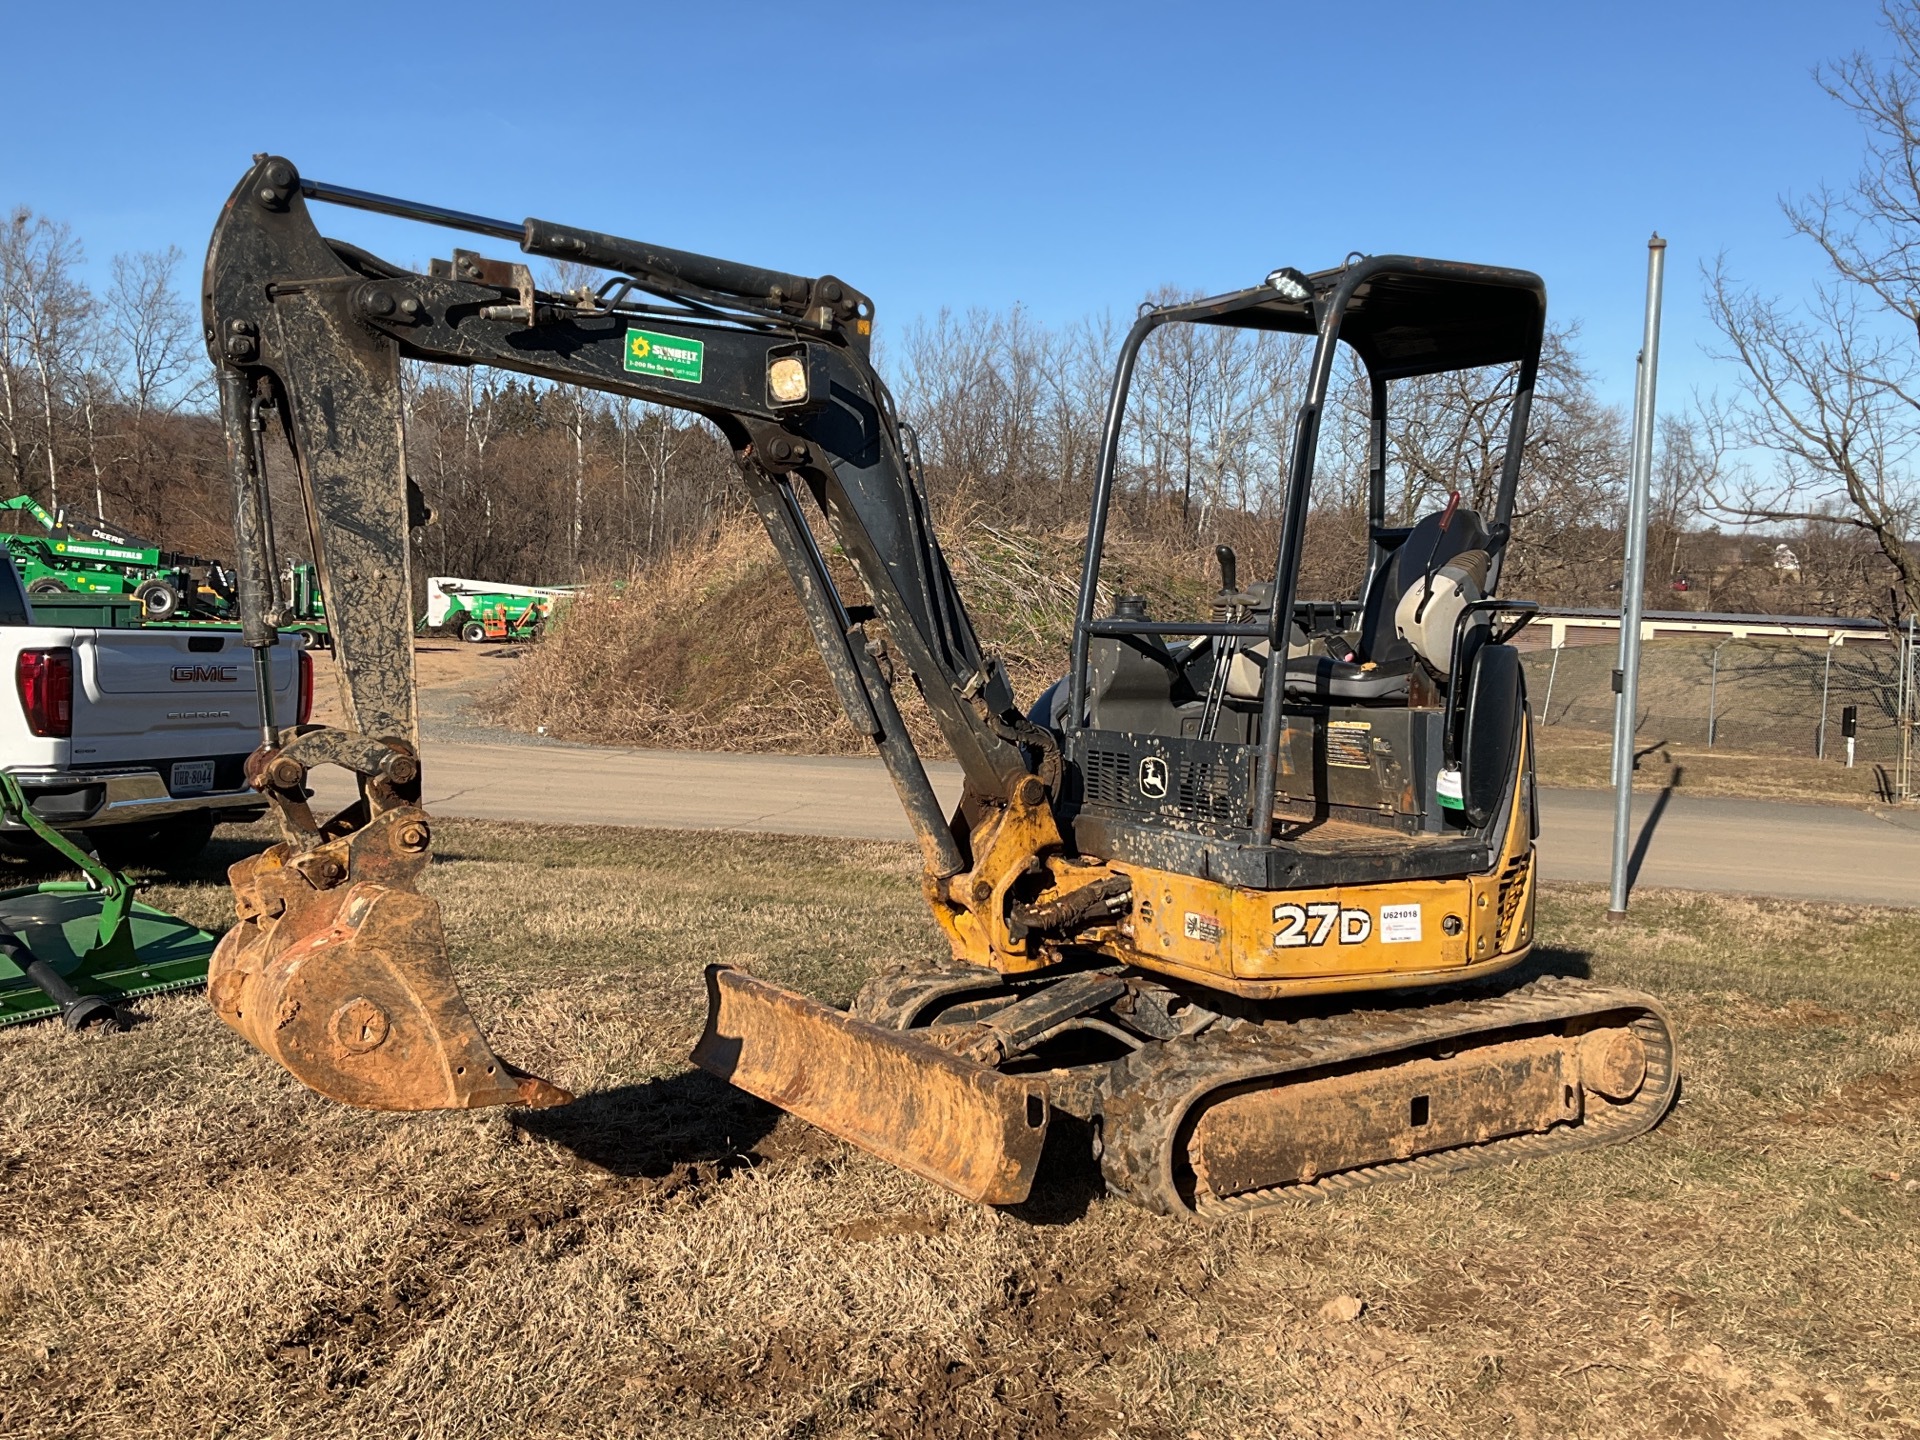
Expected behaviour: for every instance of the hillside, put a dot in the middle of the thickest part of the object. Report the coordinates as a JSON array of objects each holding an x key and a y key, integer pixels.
[{"x": 710, "y": 651}]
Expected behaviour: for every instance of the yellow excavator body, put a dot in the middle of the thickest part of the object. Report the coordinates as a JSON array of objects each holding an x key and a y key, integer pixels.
[{"x": 1235, "y": 895}]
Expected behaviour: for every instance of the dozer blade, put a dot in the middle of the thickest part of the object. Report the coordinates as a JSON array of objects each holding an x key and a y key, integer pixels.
[
  {"x": 961, "y": 1125},
  {"x": 350, "y": 990}
]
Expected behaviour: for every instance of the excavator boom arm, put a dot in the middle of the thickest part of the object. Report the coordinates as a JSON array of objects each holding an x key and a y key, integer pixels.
[
  {"x": 317, "y": 330},
  {"x": 338, "y": 968}
]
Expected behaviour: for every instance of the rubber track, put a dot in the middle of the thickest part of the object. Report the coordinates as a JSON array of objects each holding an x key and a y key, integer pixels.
[{"x": 1152, "y": 1094}]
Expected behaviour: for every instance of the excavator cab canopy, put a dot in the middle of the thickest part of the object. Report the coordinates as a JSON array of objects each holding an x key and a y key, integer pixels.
[
  {"x": 1401, "y": 315},
  {"x": 1190, "y": 747}
]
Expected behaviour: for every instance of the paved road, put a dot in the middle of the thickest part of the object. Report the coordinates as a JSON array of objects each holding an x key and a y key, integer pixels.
[
  {"x": 1809, "y": 852},
  {"x": 1761, "y": 847}
]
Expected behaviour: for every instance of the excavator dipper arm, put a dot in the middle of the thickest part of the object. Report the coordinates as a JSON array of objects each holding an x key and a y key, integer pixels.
[{"x": 338, "y": 968}]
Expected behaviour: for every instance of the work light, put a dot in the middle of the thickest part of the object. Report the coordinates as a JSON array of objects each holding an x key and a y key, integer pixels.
[
  {"x": 786, "y": 379},
  {"x": 1291, "y": 285}
]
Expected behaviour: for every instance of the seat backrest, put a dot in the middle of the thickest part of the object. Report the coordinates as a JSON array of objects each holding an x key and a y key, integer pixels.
[
  {"x": 1130, "y": 685},
  {"x": 1426, "y": 548}
]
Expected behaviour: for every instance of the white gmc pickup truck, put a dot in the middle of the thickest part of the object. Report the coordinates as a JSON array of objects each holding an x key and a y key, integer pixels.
[{"x": 133, "y": 739}]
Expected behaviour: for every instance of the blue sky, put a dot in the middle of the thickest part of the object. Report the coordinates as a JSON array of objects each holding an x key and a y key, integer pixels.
[{"x": 1065, "y": 157}]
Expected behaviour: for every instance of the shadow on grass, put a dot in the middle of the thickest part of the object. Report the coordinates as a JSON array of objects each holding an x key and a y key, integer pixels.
[
  {"x": 654, "y": 1128},
  {"x": 694, "y": 1126},
  {"x": 32, "y": 863},
  {"x": 1068, "y": 1179},
  {"x": 222, "y": 852},
  {"x": 1544, "y": 961}
]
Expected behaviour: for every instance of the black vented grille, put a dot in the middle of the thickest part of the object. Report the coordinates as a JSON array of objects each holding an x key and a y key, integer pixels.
[
  {"x": 1206, "y": 792},
  {"x": 1108, "y": 775},
  {"x": 1513, "y": 887},
  {"x": 1202, "y": 788}
]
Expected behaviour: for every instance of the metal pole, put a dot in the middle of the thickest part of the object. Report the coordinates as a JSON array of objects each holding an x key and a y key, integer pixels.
[
  {"x": 1899, "y": 710},
  {"x": 1826, "y": 677},
  {"x": 1633, "y": 582},
  {"x": 1546, "y": 706},
  {"x": 1713, "y": 686},
  {"x": 1906, "y": 716}
]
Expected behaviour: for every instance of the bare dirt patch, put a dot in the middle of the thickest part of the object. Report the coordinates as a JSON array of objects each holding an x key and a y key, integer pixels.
[
  {"x": 1867, "y": 1098},
  {"x": 444, "y": 670}
]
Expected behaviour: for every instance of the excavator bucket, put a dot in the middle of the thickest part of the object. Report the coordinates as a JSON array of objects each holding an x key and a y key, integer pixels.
[
  {"x": 349, "y": 989},
  {"x": 975, "y": 1131}
]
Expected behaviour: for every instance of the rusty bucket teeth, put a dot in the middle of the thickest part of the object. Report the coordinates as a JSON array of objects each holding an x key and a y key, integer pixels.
[
  {"x": 349, "y": 989},
  {"x": 975, "y": 1131}
]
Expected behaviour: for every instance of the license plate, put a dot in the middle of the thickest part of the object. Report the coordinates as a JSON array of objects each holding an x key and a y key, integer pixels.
[{"x": 192, "y": 775}]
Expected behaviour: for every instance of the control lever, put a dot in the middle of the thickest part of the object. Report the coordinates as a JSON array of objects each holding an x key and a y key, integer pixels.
[{"x": 1228, "y": 645}]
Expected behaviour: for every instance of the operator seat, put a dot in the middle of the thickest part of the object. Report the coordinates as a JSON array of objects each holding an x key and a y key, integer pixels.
[{"x": 1382, "y": 667}]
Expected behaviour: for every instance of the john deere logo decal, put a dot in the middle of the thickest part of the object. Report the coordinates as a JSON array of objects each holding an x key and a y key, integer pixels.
[
  {"x": 1153, "y": 778},
  {"x": 669, "y": 356}
]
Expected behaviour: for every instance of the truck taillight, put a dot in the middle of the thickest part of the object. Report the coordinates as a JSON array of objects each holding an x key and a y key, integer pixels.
[
  {"x": 305, "y": 711},
  {"x": 45, "y": 679}
]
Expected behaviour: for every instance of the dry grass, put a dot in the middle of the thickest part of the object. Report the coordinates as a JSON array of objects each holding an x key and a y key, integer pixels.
[
  {"x": 1768, "y": 698},
  {"x": 192, "y": 1245},
  {"x": 1582, "y": 759},
  {"x": 708, "y": 650},
  {"x": 1765, "y": 692}
]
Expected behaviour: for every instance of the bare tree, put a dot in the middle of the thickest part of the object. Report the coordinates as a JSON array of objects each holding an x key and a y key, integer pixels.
[
  {"x": 1447, "y": 433},
  {"x": 1835, "y": 400},
  {"x": 659, "y": 441},
  {"x": 1831, "y": 388},
  {"x": 156, "y": 354},
  {"x": 1686, "y": 459},
  {"x": 45, "y": 310}
]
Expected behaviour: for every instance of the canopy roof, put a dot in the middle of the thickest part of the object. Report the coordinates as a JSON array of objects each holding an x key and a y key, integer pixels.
[{"x": 1404, "y": 315}]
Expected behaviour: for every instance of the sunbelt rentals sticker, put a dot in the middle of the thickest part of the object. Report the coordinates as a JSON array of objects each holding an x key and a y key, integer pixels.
[{"x": 668, "y": 356}]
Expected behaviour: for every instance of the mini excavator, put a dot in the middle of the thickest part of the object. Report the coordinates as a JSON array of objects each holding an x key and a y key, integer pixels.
[{"x": 1235, "y": 894}]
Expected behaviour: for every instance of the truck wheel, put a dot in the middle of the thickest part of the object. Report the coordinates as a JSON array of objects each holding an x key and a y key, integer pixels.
[
  {"x": 159, "y": 599},
  {"x": 473, "y": 632},
  {"x": 47, "y": 585}
]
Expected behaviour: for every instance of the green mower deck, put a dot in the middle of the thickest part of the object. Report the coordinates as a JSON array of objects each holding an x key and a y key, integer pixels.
[
  {"x": 61, "y": 927},
  {"x": 92, "y": 944}
]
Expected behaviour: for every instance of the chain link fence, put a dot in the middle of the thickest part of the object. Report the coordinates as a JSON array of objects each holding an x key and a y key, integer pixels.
[{"x": 1758, "y": 695}]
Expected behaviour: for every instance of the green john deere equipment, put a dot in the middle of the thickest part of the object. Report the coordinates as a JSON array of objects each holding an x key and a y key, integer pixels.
[
  {"x": 85, "y": 555},
  {"x": 480, "y": 610},
  {"x": 304, "y": 613},
  {"x": 80, "y": 949}
]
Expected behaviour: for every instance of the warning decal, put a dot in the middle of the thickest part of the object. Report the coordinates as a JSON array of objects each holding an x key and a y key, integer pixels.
[
  {"x": 1204, "y": 927},
  {"x": 1350, "y": 744}
]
